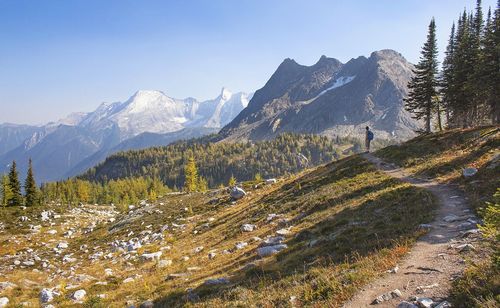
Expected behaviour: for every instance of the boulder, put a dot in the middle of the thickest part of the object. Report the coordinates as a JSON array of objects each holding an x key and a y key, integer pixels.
[
  {"x": 62, "y": 245},
  {"x": 465, "y": 247},
  {"x": 270, "y": 250},
  {"x": 46, "y": 296},
  {"x": 444, "y": 304},
  {"x": 237, "y": 193},
  {"x": 4, "y": 301},
  {"x": 198, "y": 249},
  {"x": 424, "y": 302},
  {"x": 6, "y": 285},
  {"x": 271, "y": 241},
  {"x": 271, "y": 181},
  {"x": 78, "y": 295},
  {"x": 248, "y": 227}
]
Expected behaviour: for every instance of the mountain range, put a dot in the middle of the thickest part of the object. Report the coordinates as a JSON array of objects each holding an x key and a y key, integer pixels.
[
  {"x": 331, "y": 98},
  {"x": 149, "y": 118}
]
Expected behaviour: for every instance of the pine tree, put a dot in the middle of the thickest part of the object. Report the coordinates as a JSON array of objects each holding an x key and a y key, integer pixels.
[
  {"x": 258, "y": 178},
  {"x": 423, "y": 86},
  {"x": 5, "y": 191},
  {"x": 202, "y": 184},
  {"x": 15, "y": 186},
  {"x": 191, "y": 173},
  {"x": 447, "y": 91},
  {"x": 31, "y": 191}
]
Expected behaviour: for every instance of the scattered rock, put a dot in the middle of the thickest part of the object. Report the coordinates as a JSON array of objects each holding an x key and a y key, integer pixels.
[
  {"x": 271, "y": 181},
  {"x": 216, "y": 281},
  {"x": 422, "y": 289},
  {"x": 147, "y": 304},
  {"x": 468, "y": 172},
  {"x": 62, "y": 245},
  {"x": 241, "y": 245},
  {"x": 237, "y": 193},
  {"x": 6, "y": 285},
  {"x": 47, "y": 295},
  {"x": 284, "y": 231},
  {"x": 129, "y": 279},
  {"x": 270, "y": 250},
  {"x": 164, "y": 263},
  {"x": 78, "y": 295},
  {"x": 198, "y": 249},
  {"x": 424, "y": 302},
  {"x": 248, "y": 227},
  {"x": 387, "y": 297},
  {"x": 151, "y": 256},
  {"x": 52, "y": 232},
  {"x": 4, "y": 301},
  {"x": 393, "y": 270},
  {"x": 465, "y": 247},
  {"x": 470, "y": 232},
  {"x": 211, "y": 255},
  {"x": 271, "y": 241},
  {"x": 108, "y": 272},
  {"x": 444, "y": 304}
]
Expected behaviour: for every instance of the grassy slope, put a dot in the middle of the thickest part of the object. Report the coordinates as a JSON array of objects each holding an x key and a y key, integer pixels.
[
  {"x": 363, "y": 221},
  {"x": 443, "y": 156}
]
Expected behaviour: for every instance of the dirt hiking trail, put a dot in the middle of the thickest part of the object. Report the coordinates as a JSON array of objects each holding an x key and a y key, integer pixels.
[{"x": 436, "y": 259}]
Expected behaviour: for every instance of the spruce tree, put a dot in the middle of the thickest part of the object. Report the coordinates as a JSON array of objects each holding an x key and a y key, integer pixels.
[
  {"x": 191, "y": 174},
  {"x": 423, "y": 86},
  {"x": 232, "y": 181},
  {"x": 31, "y": 191},
  {"x": 15, "y": 186},
  {"x": 447, "y": 91},
  {"x": 5, "y": 191}
]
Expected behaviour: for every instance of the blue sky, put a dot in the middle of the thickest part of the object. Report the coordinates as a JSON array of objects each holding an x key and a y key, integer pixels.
[{"x": 60, "y": 56}]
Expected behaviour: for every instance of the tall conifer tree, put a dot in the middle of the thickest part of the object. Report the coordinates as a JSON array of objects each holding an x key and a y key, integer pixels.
[
  {"x": 15, "y": 186},
  {"x": 31, "y": 191},
  {"x": 423, "y": 86},
  {"x": 191, "y": 173}
]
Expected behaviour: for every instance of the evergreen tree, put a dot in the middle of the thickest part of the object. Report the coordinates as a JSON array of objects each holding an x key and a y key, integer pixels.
[
  {"x": 30, "y": 189},
  {"x": 423, "y": 86},
  {"x": 202, "y": 184},
  {"x": 5, "y": 191},
  {"x": 258, "y": 177},
  {"x": 15, "y": 186},
  {"x": 447, "y": 92},
  {"x": 232, "y": 181},
  {"x": 191, "y": 173}
]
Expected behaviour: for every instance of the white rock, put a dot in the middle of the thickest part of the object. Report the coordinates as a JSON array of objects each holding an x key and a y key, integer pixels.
[
  {"x": 198, "y": 249},
  {"x": 108, "y": 272},
  {"x": 78, "y": 295},
  {"x": 6, "y": 285},
  {"x": 248, "y": 227},
  {"x": 62, "y": 245},
  {"x": 425, "y": 302},
  {"x": 127, "y": 280},
  {"x": 52, "y": 232},
  {"x": 271, "y": 181},
  {"x": 151, "y": 256},
  {"x": 46, "y": 296},
  {"x": 164, "y": 263},
  {"x": 237, "y": 193},
  {"x": 270, "y": 250},
  {"x": 212, "y": 255},
  {"x": 241, "y": 245},
  {"x": 4, "y": 301}
]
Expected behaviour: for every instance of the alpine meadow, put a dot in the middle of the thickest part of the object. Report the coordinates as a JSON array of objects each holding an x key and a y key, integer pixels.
[{"x": 366, "y": 179}]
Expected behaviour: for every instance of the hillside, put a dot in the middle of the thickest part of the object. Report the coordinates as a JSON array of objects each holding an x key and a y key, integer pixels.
[
  {"x": 216, "y": 162},
  {"x": 337, "y": 228},
  {"x": 331, "y": 98}
]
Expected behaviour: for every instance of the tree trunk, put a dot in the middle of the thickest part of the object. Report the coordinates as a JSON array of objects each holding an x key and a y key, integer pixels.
[
  {"x": 439, "y": 117},
  {"x": 428, "y": 121}
]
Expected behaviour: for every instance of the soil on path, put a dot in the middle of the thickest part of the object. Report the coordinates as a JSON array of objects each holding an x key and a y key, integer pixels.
[{"x": 434, "y": 261}]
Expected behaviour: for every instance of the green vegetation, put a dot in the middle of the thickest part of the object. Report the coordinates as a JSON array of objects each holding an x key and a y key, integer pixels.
[
  {"x": 32, "y": 194},
  {"x": 217, "y": 162},
  {"x": 467, "y": 91},
  {"x": 119, "y": 192},
  {"x": 423, "y": 86},
  {"x": 15, "y": 187}
]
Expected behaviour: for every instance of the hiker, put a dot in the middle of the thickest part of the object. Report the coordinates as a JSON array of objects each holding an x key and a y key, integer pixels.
[{"x": 368, "y": 139}]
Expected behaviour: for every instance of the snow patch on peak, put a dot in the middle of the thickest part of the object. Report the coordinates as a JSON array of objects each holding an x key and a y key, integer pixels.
[{"x": 225, "y": 94}]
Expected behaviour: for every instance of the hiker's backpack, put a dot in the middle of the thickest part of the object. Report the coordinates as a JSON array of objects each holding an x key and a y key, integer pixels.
[{"x": 370, "y": 135}]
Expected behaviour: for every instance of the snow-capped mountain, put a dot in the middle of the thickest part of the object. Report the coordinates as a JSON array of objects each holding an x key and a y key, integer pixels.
[{"x": 70, "y": 143}]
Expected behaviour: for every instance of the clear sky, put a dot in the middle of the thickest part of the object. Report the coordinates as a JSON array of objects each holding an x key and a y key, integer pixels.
[{"x": 60, "y": 56}]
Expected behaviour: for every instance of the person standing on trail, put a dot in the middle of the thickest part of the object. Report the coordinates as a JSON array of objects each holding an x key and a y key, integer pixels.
[{"x": 368, "y": 139}]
